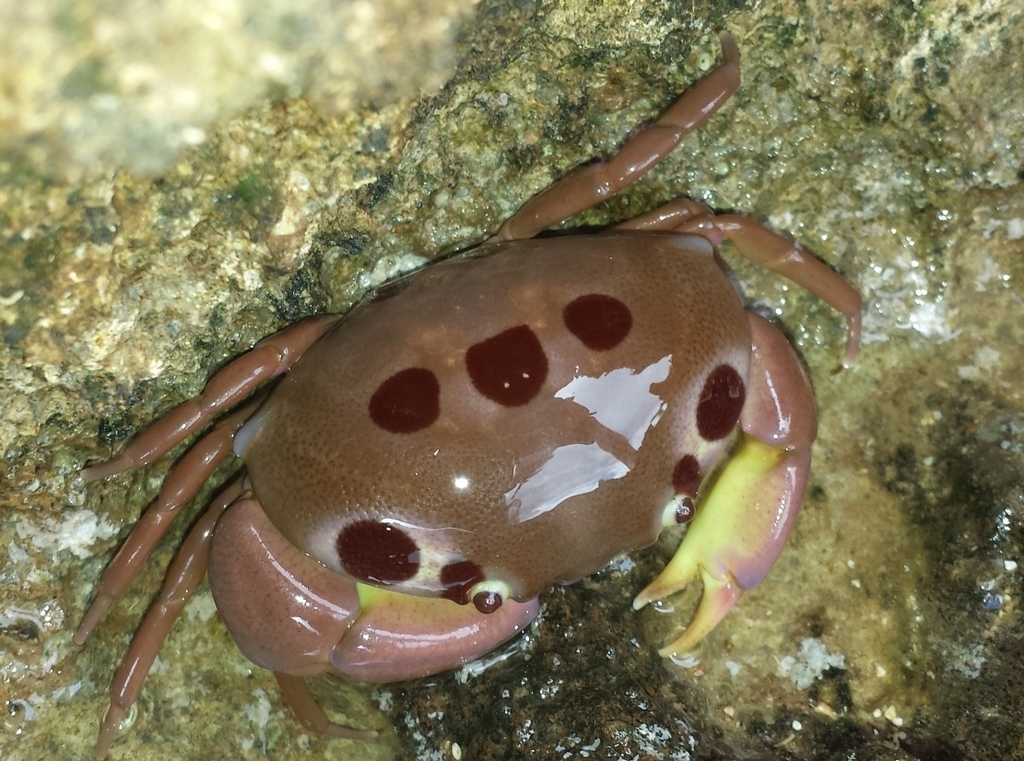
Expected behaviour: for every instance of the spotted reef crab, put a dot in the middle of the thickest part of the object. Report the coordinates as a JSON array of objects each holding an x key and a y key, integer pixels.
[{"x": 506, "y": 419}]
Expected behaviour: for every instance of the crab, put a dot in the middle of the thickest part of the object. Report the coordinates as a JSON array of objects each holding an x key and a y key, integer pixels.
[{"x": 508, "y": 418}]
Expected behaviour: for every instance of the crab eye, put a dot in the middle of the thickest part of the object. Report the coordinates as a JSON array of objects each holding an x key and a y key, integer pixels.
[
  {"x": 679, "y": 510},
  {"x": 487, "y": 596},
  {"x": 686, "y": 478}
]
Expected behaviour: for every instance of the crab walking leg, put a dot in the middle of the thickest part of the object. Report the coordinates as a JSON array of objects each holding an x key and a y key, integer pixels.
[
  {"x": 788, "y": 258},
  {"x": 591, "y": 184},
  {"x": 743, "y": 523},
  {"x": 304, "y": 706},
  {"x": 180, "y": 584},
  {"x": 182, "y": 484},
  {"x": 763, "y": 246},
  {"x": 667, "y": 217},
  {"x": 268, "y": 358}
]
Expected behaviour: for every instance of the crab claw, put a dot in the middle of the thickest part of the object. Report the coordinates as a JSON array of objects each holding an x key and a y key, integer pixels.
[{"x": 735, "y": 538}]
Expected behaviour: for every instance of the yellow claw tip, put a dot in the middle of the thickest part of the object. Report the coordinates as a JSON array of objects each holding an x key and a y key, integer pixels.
[
  {"x": 676, "y": 576},
  {"x": 686, "y": 643},
  {"x": 678, "y": 650},
  {"x": 718, "y": 598}
]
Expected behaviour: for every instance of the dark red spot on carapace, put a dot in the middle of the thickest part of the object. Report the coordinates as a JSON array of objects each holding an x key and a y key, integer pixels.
[
  {"x": 686, "y": 476},
  {"x": 601, "y": 322},
  {"x": 377, "y": 552},
  {"x": 721, "y": 402},
  {"x": 406, "y": 402},
  {"x": 508, "y": 368},
  {"x": 458, "y": 578}
]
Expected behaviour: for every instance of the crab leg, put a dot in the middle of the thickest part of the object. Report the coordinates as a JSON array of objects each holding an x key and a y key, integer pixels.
[
  {"x": 743, "y": 523},
  {"x": 304, "y": 706},
  {"x": 268, "y": 358},
  {"x": 591, "y": 184},
  {"x": 670, "y": 216},
  {"x": 788, "y": 258},
  {"x": 180, "y": 486},
  {"x": 763, "y": 246},
  {"x": 180, "y": 584}
]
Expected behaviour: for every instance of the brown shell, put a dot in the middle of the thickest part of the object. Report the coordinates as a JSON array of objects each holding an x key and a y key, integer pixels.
[{"x": 408, "y": 447}]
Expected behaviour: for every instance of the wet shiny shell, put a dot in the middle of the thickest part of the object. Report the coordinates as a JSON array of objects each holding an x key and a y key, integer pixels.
[{"x": 522, "y": 414}]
